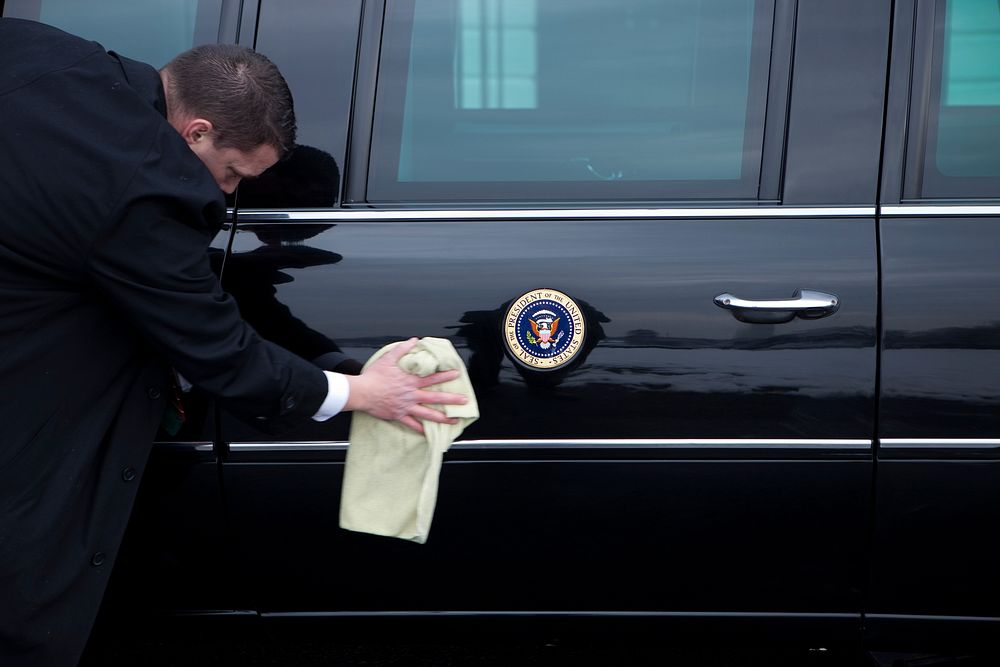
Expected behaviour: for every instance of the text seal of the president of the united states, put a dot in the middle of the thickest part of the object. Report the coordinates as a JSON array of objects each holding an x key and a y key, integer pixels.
[{"x": 544, "y": 329}]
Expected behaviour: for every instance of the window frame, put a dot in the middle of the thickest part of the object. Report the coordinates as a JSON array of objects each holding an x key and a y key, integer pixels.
[{"x": 770, "y": 65}]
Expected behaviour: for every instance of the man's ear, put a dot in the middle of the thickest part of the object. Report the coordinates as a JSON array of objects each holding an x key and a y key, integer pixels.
[{"x": 195, "y": 130}]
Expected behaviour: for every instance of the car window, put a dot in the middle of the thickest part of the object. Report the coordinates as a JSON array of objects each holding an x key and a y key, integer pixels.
[
  {"x": 570, "y": 99},
  {"x": 961, "y": 156},
  {"x": 313, "y": 43},
  {"x": 152, "y": 31}
]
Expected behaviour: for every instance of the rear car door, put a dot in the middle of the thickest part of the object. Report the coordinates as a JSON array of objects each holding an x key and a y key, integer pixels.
[
  {"x": 938, "y": 499},
  {"x": 693, "y": 184}
]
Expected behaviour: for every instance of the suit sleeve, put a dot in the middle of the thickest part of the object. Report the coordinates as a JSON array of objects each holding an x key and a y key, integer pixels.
[{"x": 154, "y": 270}]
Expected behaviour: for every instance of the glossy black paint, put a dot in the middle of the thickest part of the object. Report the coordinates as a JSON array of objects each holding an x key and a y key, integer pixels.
[
  {"x": 936, "y": 506},
  {"x": 935, "y": 543},
  {"x": 663, "y": 361},
  {"x": 941, "y": 345},
  {"x": 837, "y": 95},
  {"x": 570, "y": 535}
]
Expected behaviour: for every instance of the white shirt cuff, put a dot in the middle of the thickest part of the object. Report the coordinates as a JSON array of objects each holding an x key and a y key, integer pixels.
[{"x": 336, "y": 396}]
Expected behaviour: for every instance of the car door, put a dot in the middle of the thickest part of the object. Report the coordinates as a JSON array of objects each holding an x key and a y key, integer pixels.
[
  {"x": 938, "y": 499},
  {"x": 693, "y": 184}
]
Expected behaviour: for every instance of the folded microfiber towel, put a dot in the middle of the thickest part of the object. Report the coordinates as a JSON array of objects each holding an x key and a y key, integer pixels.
[{"x": 391, "y": 476}]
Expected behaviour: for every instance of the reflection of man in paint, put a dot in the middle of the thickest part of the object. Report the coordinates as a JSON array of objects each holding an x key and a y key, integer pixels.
[{"x": 544, "y": 324}]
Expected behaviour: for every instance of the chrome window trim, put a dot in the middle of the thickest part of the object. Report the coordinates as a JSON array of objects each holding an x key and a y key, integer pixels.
[
  {"x": 933, "y": 618},
  {"x": 924, "y": 210},
  {"x": 931, "y": 443},
  {"x": 288, "y": 447},
  {"x": 364, "y": 215},
  {"x": 198, "y": 446},
  {"x": 760, "y": 443},
  {"x": 920, "y": 210},
  {"x": 647, "y": 443},
  {"x": 567, "y": 613}
]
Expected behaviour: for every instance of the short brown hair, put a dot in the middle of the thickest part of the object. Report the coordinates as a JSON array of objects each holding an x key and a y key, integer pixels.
[{"x": 239, "y": 91}]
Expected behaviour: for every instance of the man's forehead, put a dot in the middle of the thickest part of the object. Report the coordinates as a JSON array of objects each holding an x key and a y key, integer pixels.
[{"x": 255, "y": 162}]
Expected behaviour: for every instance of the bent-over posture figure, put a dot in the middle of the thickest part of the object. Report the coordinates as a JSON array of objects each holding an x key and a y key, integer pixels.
[{"x": 111, "y": 180}]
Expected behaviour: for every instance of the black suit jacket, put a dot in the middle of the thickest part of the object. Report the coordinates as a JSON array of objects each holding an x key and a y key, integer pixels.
[{"x": 105, "y": 219}]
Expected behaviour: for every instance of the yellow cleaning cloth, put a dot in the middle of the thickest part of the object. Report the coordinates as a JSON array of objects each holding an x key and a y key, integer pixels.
[{"x": 391, "y": 476}]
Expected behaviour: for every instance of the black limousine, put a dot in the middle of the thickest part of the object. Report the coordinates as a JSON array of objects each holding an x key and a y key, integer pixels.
[{"x": 770, "y": 230}]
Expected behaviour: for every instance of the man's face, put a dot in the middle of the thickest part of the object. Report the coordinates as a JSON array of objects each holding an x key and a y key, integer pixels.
[{"x": 230, "y": 165}]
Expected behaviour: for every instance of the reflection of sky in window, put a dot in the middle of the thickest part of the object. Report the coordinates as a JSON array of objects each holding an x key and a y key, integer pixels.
[
  {"x": 968, "y": 135},
  {"x": 496, "y": 55},
  {"x": 577, "y": 90},
  {"x": 972, "y": 53},
  {"x": 150, "y": 31}
]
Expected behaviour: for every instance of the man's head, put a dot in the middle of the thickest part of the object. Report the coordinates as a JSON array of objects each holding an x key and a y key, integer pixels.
[{"x": 233, "y": 108}]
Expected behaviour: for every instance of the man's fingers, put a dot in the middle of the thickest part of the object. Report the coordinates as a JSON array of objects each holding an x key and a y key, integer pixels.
[
  {"x": 437, "y": 378},
  {"x": 418, "y": 411},
  {"x": 411, "y": 423},
  {"x": 431, "y": 415},
  {"x": 440, "y": 398}
]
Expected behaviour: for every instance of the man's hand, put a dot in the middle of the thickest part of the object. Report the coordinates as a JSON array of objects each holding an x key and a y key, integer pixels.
[{"x": 386, "y": 391}]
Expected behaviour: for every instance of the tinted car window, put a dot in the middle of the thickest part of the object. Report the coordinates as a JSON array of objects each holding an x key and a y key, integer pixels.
[
  {"x": 313, "y": 43},
  {"x": 570, "y": 99},
  {"x": 962, "y": 148},
  {"x": 153, "y": 31}
]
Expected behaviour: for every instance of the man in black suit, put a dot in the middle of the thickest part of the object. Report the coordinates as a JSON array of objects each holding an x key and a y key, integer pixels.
[{"x": 111, "y": 180}]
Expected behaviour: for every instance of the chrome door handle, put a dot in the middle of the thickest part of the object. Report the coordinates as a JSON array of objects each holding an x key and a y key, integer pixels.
[{"x": 806, "y": 303}]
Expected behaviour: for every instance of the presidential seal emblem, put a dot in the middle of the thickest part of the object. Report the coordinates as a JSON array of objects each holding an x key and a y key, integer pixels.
[{"x": 544, "y": 329}]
